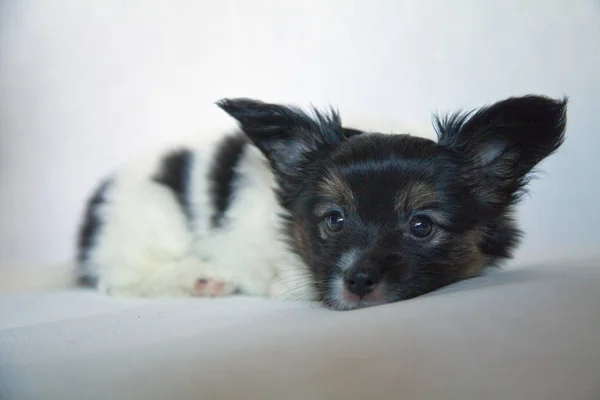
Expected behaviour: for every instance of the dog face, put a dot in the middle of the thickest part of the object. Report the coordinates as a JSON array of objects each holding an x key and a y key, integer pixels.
[{"x": 380, "y": 218}]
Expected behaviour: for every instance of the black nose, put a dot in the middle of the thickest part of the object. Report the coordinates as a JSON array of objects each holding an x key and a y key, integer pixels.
[{"x": 362, "y": 282}]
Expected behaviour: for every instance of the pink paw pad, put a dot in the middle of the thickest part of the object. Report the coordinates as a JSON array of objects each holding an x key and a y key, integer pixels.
[{"x": 212, "y": 288}]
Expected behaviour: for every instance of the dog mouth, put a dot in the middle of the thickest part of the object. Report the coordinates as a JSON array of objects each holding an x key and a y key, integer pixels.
[{"x": 338, "y": 297}]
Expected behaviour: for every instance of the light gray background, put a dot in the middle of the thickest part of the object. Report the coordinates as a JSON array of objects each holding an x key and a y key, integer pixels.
[{"x": 85, "y": 86}]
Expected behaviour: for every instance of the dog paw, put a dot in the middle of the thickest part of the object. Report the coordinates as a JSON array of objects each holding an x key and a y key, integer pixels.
[{"x": 212, "y": 288}]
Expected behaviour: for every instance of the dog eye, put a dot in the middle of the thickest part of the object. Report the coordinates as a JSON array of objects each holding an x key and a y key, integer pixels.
[
  {"x": 420, "y": 226},
  {"x": 335, "y": 222}
]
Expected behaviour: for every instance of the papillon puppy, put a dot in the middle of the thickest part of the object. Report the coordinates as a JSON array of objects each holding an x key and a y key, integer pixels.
[{"x": 295, "y": 205}]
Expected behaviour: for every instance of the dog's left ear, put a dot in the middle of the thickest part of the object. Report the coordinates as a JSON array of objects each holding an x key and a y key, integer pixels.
[
  {"x": 290, "y": 138},
  {"x": 504, "y": 142}
]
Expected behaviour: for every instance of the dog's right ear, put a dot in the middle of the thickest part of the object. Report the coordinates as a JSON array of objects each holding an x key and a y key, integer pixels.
[{"x": 289, "y": 137}]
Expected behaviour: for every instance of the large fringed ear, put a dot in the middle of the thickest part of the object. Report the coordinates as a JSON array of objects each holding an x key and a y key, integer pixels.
[
  {"x": 503, "y": 142},
  {"x": 285, "y": 134},
  {"x": 290, "y": 138}
]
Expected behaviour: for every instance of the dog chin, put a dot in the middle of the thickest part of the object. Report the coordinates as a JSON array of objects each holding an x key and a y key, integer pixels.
[{"x": 340, "y": 298}]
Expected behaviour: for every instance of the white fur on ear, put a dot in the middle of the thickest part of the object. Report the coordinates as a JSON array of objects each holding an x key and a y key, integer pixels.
[{"x": 490, "y": 151}]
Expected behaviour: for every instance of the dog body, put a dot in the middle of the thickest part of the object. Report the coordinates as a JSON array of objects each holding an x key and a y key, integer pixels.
[
  {"x": 190, "y": 222},
  {"x": 296, "y": 206}
]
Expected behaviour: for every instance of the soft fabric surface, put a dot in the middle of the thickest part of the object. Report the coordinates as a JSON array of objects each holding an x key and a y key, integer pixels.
[{"x": 514, "y": 334}]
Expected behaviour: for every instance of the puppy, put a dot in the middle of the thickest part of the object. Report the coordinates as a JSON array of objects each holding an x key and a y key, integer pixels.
[{"x": 296, "y": 206}]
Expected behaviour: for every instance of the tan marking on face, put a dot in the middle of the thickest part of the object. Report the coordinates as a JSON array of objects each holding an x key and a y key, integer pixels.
[
  {"x": 474, "y": 261},
  {"x": 334, "y": 187},
  {"x": 416, "y": 196},
  {"x": 299, "y": 236}
]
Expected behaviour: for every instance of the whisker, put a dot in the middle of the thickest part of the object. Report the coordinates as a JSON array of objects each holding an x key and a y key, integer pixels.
[
  {"x": 304, "y": 285},
  {"x": 292, "y": 278}
]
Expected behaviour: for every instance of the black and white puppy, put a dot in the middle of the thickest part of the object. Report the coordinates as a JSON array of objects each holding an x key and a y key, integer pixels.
[{"x": 297, "y": 206}]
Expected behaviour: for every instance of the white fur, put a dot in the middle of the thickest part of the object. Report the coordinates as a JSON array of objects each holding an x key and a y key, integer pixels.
[
  {"x": 348, "y": 259},
  {"x": 146, "y": 247}
]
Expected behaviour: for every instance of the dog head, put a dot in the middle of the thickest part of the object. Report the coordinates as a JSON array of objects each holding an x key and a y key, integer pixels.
[{"x": 384, "y": 217}]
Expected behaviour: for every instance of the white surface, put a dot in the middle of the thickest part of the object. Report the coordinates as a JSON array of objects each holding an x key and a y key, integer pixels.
[
  {"x": 513, "y": 334},
  {"x": 85, "y": 85}
]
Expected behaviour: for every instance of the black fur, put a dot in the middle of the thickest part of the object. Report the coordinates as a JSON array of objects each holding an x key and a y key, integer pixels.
[
  {"x": 174, "y": 173},
  {"x": 91, "y": 222},
  {"x": 222, "y": 175},
  {"x": 349, "y": 132},
  {"x": 505, "y": 141},
  {"x": 90, "y": 227},
  {"x": 464, "y": 186}
]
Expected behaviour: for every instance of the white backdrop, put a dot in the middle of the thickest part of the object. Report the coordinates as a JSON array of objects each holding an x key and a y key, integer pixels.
[{"x": 85, "y": 85}]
